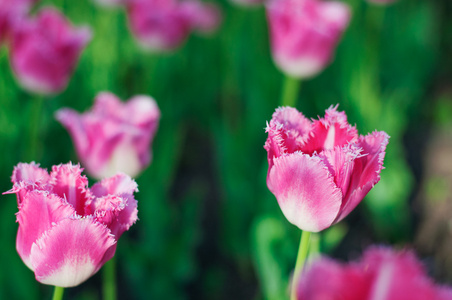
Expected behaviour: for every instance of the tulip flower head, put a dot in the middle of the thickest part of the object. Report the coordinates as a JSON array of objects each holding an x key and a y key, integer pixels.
[
  {"x": 163, "y": 25},
  {"x": 67, "y": 231},
  {"x": 114, "y": 136},
  {"x": 320, "y": 170},
  {"x": 45, "y": 51},
  {"x": 304, "y": 34},
  {"x": 10, "y": 12},
  {"x": 382, "y": 274}
]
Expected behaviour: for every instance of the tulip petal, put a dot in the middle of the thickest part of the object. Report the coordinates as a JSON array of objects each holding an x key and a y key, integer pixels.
[
  {"x": 397, "y": 275},
  {"x": 305, "y": 191},
  {"x": 70, "y": 119},
  {"x": 126, "y": 210},
  {"x": 340, "y": 163},
  {"x": 120, "y": 184},
  {"x": 37, "y": 212},
  {"x": 69, "y": 184},
  {"x": 287, "y": 131},
  {"x": 329, "y": 132},
  {"x": 366, "y": 170},
  {"x": 29, "y": 173},
  {"x": 327, "y": 279},
  {"x": 70, "y": 252}
]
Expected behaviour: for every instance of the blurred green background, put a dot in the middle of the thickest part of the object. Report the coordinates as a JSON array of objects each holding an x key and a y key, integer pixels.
[{"x": 209, "y": 228}]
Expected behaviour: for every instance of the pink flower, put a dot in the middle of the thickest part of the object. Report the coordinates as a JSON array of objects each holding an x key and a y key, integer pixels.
[
  {"x": 382, "y": 274},
  {"x": 163, "y": 25},
  {"x": 45, "y": 51},
  {"x": 304, "y": 34},
  {"x": 320, "y": 170},
  {"x": 66, "y": 230},
  {"x": 113, "y": 136},
  {"x": 10, "y": 12}
]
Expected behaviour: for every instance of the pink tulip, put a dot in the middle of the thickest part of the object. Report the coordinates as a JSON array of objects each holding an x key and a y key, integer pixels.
[
  {"x": 113, "y": 136},
  {"x": 304, "y": 34},
  {"x": 382, "y": 274},
  {"x": 320, "y": 170},
  {"x": 163, "y": 25},
  {"x": 66, "y": 230},
  {"x": 45, "y": 51},
  {"x": 11, "y": 11}
]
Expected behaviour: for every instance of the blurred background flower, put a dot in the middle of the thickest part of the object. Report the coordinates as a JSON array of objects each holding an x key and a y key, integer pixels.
[
  {"x": 163, "y": 25},
  {"x": 114, "y": 136},
  {"x": 45, "y": 51}
]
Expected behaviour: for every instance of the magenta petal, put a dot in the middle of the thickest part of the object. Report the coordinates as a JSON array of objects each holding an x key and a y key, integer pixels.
[
  {"x": 29, "y": 172},
  {"x": 397, "y": 276},
  {"x": 69, "y": 183},
  {"x": 374, "y": 146},
  {"x": 37, "y": 212},
  {"x": 70, "y": 119},
  {"x": 340, "y": 163},
  {"x": 305, "y": 191},
  {"x": 327, "y": 279},
  {"x": 330, "y": 132},
  {"x": 120, "y": 184},
  {"x": 125, "y": 211},
  {"x": 287, "y": 131},
  {"x": 70, "y": 252},
  {"x": 366, "y": 171}
]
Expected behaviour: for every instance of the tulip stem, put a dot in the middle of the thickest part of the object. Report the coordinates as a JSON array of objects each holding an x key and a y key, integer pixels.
[
  {"x": 35, "y": 125},
  {"x": 301, "y": 259},
  {"x": 290, "y": 91},
  {"x": 58, "y": 293},
  {"x": 109, "y": 280}
]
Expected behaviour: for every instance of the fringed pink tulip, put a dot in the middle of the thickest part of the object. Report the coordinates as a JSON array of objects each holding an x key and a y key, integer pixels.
[
  {"x": 45, "y": 51},
  {"x": 66, "y": 230},
  {"x": 320, "y": 170},
  {"x": 381, "y": 274},
  {"x": 113, "y": 136},
  {"x": 11, "y": 11},
  {"x": 304, "y": 34},
  {"x": 163, "y": 25}
]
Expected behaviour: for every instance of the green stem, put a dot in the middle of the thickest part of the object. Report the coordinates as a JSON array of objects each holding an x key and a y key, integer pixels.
[
  {"x": 109, "y": 280},
  {"x": 58, "y": 293},
  {"x": 301, "y": 259},
  {"x": 35, "y": 122},
  {"x": 290, "y": 91}
]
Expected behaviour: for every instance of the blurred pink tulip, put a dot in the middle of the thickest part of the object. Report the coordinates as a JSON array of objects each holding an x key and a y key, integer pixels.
[
  {"x": 304, "y": 34},
  {"x": 66, "y": 230},
  {"x": 45, "y": 51},
  {"x": 381, "y": 274},
  {"x": 320, "y": 170},
  {"x": 10, "y": 12},
  {"x": 163, "y": 25},
  {"x": 113, "y": 136}
]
